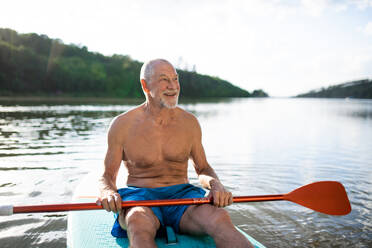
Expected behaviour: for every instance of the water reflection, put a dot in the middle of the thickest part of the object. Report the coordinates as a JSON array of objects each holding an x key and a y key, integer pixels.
[{"x": 257, "y": 146}]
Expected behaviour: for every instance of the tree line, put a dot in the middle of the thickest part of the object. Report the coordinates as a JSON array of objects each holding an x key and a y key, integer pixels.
[
  {"x": 355, "y": 89},
  {"x": 32, "y": 64}
]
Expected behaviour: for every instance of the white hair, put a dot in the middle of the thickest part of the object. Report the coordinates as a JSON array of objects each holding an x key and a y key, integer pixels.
[{"x": 147, "y": 68}]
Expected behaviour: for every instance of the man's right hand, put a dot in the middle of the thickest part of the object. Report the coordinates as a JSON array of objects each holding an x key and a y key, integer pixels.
[{"x": 110, "y": 202}]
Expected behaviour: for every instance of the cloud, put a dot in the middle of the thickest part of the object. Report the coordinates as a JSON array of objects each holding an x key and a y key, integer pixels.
[
  {"x": 361, "y": 4},
  {"x": 315, "y": 7},
  {"x": 367, "y": 30}
]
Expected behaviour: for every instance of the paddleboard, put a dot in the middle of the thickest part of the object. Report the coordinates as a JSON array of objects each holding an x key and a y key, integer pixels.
[{"x": 89, "y": 229}]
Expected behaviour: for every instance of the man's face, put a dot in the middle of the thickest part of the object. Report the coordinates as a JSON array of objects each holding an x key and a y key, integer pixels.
[{"x": 164, "y": 86}]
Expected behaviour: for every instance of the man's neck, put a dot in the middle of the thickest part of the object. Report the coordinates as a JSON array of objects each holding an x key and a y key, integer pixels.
[{"x": 161, "y": 115}]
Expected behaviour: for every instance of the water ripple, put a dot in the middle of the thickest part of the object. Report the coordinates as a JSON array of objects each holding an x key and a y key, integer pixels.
[{"x": 269, "y": 146}]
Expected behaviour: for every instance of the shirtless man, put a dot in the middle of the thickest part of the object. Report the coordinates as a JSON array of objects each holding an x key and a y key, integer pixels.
[{"x": 155, "y": 140}]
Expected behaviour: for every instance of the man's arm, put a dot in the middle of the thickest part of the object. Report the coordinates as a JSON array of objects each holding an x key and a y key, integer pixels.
[
  {"x": 207, "y": 176},
  {"x": 110, "y": 199}
]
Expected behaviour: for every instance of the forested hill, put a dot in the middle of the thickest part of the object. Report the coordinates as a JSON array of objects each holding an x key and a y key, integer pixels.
[
  {"x": 355, "y": 89},
  {"x": 32, "y": 64}
]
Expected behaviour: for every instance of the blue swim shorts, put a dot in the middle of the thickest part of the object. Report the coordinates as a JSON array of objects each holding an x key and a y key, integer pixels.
[{"x": 169, "y": 215}]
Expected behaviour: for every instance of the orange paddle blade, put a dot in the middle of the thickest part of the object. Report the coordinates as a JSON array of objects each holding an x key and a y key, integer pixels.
[{"x": 328, "y": 197}]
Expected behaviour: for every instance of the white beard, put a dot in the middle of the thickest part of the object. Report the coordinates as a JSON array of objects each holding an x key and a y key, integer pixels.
[
  {"x": 169, "y": 105},
  {"x": 165, "y": 103}
]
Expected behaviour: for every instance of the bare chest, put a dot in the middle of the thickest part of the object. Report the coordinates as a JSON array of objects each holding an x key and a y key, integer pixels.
[{"x": 147, "y": 145}]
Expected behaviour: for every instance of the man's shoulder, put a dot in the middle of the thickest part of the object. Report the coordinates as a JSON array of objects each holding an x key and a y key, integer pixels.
[
  {"x": 126, "y": 117},
  {"x": 188, "y": 117},
  {"x": 130, "y": 113}
]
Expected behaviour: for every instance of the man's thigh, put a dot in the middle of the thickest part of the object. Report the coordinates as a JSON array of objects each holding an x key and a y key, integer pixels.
[
  {"x": 138, "y": 216},
  {"x": 200, "y": 219}
]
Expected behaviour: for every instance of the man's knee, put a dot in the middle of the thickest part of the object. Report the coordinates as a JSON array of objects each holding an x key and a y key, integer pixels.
[
  {"x": 217, "y": 223},
  {"x": 218, "y": 217},
  {"x": 211, "y": 218},
  {"x": 141, "y": 219}
]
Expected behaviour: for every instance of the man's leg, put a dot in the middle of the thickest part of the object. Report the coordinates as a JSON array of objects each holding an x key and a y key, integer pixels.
[
  {"x": 214, "y": 221},
  {"x": 141, "y": 225}
]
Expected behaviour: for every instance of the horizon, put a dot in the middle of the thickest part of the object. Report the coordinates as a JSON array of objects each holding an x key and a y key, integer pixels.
[{"x": 239, "y": 44}]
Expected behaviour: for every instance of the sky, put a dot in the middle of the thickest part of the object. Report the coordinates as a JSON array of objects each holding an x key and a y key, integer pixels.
[{"x": 284, "y": 47}]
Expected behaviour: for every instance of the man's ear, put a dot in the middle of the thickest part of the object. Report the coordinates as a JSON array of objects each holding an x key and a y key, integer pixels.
[{"x": 144, "y": 86}]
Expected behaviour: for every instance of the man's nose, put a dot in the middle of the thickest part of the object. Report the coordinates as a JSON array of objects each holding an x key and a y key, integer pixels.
[{"x": 173, "y": 84}]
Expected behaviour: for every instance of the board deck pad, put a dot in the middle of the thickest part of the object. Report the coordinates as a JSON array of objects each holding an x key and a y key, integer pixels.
[{"x": 90, "y": 229}]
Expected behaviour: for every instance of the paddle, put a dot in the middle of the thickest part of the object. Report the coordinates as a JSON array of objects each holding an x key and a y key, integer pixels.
[{"x": 328, "y": 197}]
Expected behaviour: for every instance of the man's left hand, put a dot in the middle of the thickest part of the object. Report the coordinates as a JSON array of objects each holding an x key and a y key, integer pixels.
[{"x": 221, "y": 197}]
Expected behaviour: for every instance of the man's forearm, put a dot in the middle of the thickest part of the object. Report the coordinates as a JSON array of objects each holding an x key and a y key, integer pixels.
[
  {"x": 107, "y": 185},
  {"x": 109, "y": 198}
]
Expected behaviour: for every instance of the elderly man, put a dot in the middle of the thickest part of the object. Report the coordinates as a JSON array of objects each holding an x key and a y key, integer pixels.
[{"x": 155, "y": 140}]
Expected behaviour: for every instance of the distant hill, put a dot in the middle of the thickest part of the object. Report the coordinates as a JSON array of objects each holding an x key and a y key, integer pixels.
[
  {"x": 355, "y": 89},
  {"x": 32, "y": 64},
  {"x": 259, "y": 93}
]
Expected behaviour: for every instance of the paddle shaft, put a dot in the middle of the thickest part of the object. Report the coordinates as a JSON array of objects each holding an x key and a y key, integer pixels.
[{"x": 147, "y": 203}]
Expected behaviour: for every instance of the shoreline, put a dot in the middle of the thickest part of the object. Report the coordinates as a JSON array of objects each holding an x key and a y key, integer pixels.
[
  {"x": 109, "y": 100},
  {"x": 77, "y": 99}
]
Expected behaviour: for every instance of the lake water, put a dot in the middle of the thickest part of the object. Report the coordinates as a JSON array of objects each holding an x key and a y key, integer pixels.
[{"x": 256, "y": 146}]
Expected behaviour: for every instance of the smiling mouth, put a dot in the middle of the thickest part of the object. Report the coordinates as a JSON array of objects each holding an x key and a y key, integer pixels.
[{"x": 171, "y": 94}]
